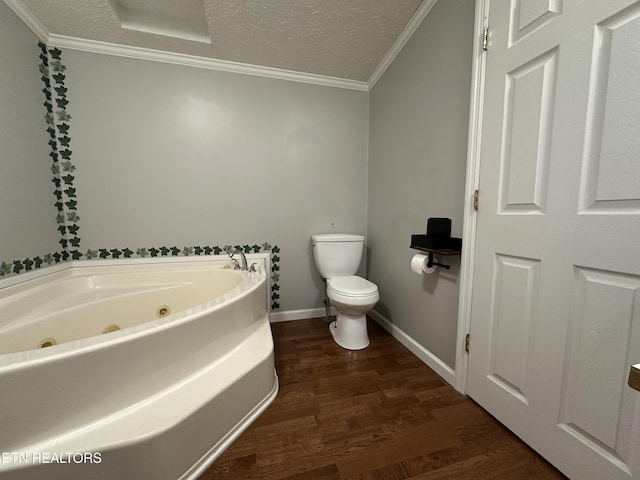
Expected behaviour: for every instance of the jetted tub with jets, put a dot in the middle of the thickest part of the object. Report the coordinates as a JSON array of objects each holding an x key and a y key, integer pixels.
[{"x": 132, "y": 370}]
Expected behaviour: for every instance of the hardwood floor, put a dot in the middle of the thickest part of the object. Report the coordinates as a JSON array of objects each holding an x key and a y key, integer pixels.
[{"x": 376, "y": 414}]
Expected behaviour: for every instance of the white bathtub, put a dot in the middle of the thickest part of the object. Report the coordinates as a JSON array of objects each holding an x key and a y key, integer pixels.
[{"x": 160, "y": 398}]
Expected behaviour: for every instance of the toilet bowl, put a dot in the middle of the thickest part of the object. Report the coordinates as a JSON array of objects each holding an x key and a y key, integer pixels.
[
  {"x": 337, "y": 257},
  {"x": 352, "y": 298}
]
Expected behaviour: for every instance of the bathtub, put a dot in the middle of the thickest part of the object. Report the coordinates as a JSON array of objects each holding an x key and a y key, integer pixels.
[{"x": 184, "y": 366}]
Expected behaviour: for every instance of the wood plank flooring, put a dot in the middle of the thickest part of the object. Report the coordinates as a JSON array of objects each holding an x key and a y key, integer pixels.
[{"x": 375, "y": 414}]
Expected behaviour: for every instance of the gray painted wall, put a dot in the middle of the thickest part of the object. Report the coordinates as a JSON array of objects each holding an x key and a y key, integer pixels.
[
  {"x": 27, "y": 212},
  {"x": 419, "y": 112},
  {"x": 175, "y": 155}
]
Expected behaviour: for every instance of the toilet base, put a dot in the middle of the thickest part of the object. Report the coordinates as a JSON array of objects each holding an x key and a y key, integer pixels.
[{"x": 350, "y": 331}]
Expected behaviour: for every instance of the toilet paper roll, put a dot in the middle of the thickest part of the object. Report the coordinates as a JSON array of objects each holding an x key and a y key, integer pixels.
[{"x": 419, "y": 264}]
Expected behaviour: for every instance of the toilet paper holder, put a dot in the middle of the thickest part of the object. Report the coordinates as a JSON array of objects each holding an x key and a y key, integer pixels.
[
  {"x": 437, "y": 241},
  {"x": 431, "y": 262},
  {"x": 452, "y": 250}
]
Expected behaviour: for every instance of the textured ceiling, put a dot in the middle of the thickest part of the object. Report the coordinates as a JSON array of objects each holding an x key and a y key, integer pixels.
[{"x": 339, "y": 38}]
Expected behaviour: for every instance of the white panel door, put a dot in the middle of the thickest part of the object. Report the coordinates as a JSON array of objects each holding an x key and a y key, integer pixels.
[{"x": 556, "y": 291}]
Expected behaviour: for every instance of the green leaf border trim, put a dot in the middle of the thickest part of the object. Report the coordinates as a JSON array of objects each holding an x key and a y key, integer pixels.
[
  {"x": 52, "y": 72},
  {"x": 16, "y": 267}
]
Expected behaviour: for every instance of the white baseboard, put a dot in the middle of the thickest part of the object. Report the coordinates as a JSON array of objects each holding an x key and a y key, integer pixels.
[
  {"x": 303, "y": 314},
  {"x": 433, "y": 362}
]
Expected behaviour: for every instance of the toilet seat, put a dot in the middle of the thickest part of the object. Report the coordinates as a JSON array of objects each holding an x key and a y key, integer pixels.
[{"x": 351, "y": 286}]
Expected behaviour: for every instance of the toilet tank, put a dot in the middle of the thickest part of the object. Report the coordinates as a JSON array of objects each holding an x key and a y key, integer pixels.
[{"x": 337, "y": 254}]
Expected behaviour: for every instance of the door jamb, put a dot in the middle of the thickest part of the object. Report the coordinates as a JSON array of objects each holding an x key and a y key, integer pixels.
[{"x": 476, "y": 109}]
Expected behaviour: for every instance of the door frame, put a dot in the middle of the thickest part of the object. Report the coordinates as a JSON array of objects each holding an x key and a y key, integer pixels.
[{"x": 476, "y": 112}]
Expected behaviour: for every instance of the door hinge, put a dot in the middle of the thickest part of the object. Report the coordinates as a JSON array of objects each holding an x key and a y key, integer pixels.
[
  {"x": 466, "y": 342},
  {"x": 476, "y": 196},
  {"x": 485, "y": 39}
]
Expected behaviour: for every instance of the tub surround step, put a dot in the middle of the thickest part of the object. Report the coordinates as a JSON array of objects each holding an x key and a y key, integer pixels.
[{"x": 159, "y": 437}]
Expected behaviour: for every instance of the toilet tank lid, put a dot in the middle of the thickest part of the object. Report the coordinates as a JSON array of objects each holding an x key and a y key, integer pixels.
[{"x": 337, "y": 237}]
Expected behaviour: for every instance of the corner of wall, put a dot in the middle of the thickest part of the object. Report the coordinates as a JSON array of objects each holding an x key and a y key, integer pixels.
[{"x": 57, "y": 118}]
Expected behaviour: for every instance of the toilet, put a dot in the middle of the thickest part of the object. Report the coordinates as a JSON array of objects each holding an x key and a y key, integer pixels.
[{"x": 337, "y": 257}]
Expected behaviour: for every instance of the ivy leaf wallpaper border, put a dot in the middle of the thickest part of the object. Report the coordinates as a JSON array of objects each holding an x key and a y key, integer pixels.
[{"x": 53, "y": 76}]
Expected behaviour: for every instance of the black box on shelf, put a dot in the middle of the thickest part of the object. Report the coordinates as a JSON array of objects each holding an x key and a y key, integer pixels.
[{"x": 439, "y": 227}]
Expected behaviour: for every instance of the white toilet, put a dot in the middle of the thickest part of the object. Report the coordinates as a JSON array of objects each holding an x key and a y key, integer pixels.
[{"x": 337, "y": 257}]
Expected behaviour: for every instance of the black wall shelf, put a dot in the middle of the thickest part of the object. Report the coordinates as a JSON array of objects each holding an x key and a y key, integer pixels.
[{"x": 437, "y": 251}]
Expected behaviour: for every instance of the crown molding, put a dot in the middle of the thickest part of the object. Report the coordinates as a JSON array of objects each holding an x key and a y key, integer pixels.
[
  {"x": 222, "y": 65},
  {"x": 422, "y": 11},
  {"x": 27, "y": 17},
  {"x": 140, "y": 53}
]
